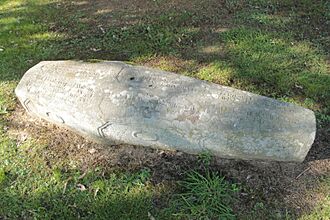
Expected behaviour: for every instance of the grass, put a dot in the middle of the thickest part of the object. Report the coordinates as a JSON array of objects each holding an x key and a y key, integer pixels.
[
  {"x": 202, "y": 194},
  {"x": 323, "y": 209},
  {"x": 279, "y": 49},
  {"x": 277, "y": 64},
  {"x": 31, "y": 189},
  {"x": 205, "y": 197}
]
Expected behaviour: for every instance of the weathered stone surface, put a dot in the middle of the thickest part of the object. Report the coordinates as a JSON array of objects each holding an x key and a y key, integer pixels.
[{"x": 114, "y": 103}]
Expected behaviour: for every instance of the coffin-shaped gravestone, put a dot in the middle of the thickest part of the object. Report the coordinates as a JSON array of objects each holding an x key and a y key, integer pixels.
[{"x": 115, "y": 103}]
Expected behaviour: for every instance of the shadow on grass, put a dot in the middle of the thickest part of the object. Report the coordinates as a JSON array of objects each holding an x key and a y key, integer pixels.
[
  {"x": 92, "y": 196},
  {"x": 262, "y": 61}
]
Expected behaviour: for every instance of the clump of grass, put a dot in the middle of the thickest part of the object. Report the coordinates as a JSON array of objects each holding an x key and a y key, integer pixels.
[
  {"x": 205, "y": 197},
  {"x": 205, "y": 158},
  {"x": 2, "y": 176},
  {"x": 218, "y": 72}
]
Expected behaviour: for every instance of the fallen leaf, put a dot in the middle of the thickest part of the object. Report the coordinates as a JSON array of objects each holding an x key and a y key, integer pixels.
[{"x": 81, "y": 187}]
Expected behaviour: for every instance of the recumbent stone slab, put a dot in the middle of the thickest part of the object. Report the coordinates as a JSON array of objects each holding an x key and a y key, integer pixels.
[{"x": 114, "y": 103}]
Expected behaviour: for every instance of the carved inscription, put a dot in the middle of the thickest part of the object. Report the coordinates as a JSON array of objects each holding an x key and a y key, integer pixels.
[
  {"x": 65, "y": 90},
  {"x": 119, "y": 103}
]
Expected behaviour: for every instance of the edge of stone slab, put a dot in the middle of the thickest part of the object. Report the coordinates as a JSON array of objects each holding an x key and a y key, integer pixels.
[
  {"x": 129, "y": 64},
  {"x": 125, "y": 64}
]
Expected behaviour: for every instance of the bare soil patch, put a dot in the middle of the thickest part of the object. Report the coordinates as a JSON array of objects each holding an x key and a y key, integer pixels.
[{"x": 282, "y": 185}]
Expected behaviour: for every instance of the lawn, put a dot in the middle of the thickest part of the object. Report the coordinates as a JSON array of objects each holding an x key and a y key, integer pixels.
[{"x": 276, "y": 48}]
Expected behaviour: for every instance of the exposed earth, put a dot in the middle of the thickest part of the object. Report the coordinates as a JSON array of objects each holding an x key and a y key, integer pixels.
[{"x": 277, "y": 184}]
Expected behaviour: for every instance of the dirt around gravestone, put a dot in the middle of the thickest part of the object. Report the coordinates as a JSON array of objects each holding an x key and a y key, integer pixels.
[
  {"x": 115, "y": 103},
  {"x": 290, "y": 184}
]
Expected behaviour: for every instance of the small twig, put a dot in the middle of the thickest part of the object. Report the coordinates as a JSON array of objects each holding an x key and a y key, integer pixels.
[
  {"x": 308, "y": 168},
  {"x": 82, "y": 176},
  {"x": 95, "y": 193},
  {"x": 66, "y": 184},
  {"x": 150, "y": 216}
]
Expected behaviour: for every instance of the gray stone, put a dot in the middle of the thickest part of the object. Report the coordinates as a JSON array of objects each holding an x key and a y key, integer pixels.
[{"x": 114, "y": 103}]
